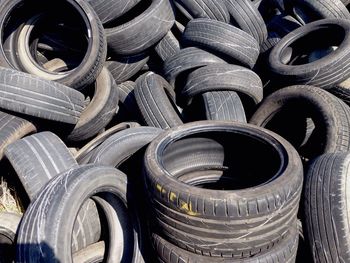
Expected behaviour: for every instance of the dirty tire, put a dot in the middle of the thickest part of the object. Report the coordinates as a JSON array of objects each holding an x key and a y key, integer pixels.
[
  {"x": 120, "y": 146},
  {"x": 225, "y": 40},
  {"x": 187, "y": 60},
  {"x": 326, "y": 215},
  {"x": 168, "y": 46},
  {"x": 247, "y": 17},
  {"x": 13, "y": 128},
  {"x": 51, "y": 239},
  {"x": 37, "y": 159},
  {"x": 325, "y": 72},
  {"x": 223, "y": 106},
  {"x": 204, "y": 221},
  {"x": 143, "y": 31},
  {"x": 332, "y": 117},
  {"x": 9, "y": 223},
  {"x": 24, "y": 93},
  {"x": 124, "y": 68},
  {"x": 100, "y": 111},
  {"x": 155, "y": 99}
]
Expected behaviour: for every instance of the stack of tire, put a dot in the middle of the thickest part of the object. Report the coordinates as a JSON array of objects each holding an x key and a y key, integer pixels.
[{"x": 123, "y": 127}]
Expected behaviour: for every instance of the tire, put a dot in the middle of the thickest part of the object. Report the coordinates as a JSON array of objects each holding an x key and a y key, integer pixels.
[
  {"x": 225, "y": 77},
  {"x": 91, "y": 254},
  {"x": 187, "y": 60},
  {"x": 84, "y": 154},
  {"x": 143, "y": 31},
  {"x": 13, "y": 128},
  {"x": 223, "y": 106},
  {"x": 24, "y": 93},
  {"x": 223, "y": 39},
  {"x": 268, "y": 44},
  {"x": 307, "y": 11},
  {"x": 210, "y": 222},
  {"x": 168, "y": 46},
  {"x": 40, "y": 157},
  {"x": 325, "y": 72},
  {"x": 284, "y": 109},
  {"x": 108, "y": 10},
  {"x": 50, "y": 239},
  {"x": 325, "y": 208},
  {"x": 342, "y": 91},
  {"x": 91, "y": 65},
  {"x": 120, "y": 146},
  {"x": 283, "y": 252},
  {"x": 9, "y": 223},
  {"x": 155, "y": 99},
  {"x": 244, "y": 14},
  {"x": 124, "y": 68},
  {"x": 211, "y": 9},
  {"x": 100, "y": 111}
]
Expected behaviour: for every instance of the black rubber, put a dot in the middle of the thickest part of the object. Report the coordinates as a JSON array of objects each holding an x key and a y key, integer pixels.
[
  {"x": 223, "y": 77},
  {"x": 246, "y": 16},
  {"x": 124, "y": 68},
  {"x": 92, "y": 254},
  {"x": 286, "y": 112},
  {"x": 324, "y": 72},
  {"x": 100, "y": 111},
  {"x": 212, "y": 9},
  {"x": 168, "y": 46},
  {"x": 342, "y": 91},
  {"x": 84, "y": 154},
  {"x": 225, "y": 40},
  {"x": 223, "y": 106},
  {"x": 142, "y": 32},
  {"x": 187, "y": 60},
  {"x": 31, "y": 95},
  {"x": 120, "y": 146},
  {"x": 109, "y": 10},
  {"x": 49, "y": 240},
  {"x": 326, "y": 210},
  {"x": 9, "y": 223},
  {"x": 13, "y": 128},
  {"x": 212, "y": 222},
  {"x": 40, "y": 157},
  {"x": 156, "y": 101},
  {"x": 284, "y": 252},
  {"x": 82, "y": 75},
  {"x": 283, "y": 24}
]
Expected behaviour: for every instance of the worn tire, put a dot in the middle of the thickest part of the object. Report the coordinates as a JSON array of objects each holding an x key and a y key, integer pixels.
[
  {"x": 13, "y": 128},
  {"x": 223, "y": 39},
  {"x": 225, "y": 77},
  {"x": 156, "y": 101},
  {"x": 119, "y": 147},
  {"x": 168, "y": 46},
  {"x": 244, "y": 14},
  {"x": 143, "y": 31},
  {"x": 187, "y": 60},
  {"x": 223, "y": 106},
  {"x": 24, "y": 93},
  {"x": 284, "y": 252},
  {"x": 326, "y": 212},
  {"x": 330, "y": 115},
  {"x": 40, "y": 157},
  {"x": 325, "y": 72},
  {"x": 84, "y": 154},
  {"x": 109, "y": 10},
  {"x": 89, "y": 68},
  {"x": 50, "y": 239},
  {"x": 210, "y": 222},
  {"x": 123, "y": 68},
  {"x": 212, "y": 9},
  {"x": 100, "y": 111}
]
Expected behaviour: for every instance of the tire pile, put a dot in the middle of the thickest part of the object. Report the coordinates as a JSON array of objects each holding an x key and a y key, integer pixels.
[{"x": 197, "y": 131}]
